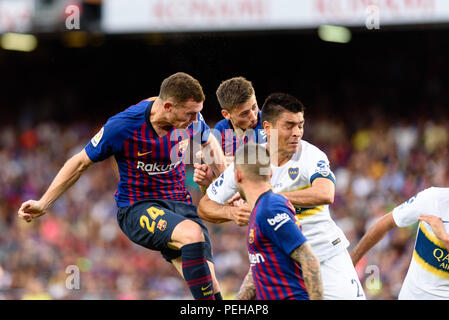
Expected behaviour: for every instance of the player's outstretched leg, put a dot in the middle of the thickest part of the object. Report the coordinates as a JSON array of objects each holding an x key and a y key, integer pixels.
[{"x": 188, "y": 235}]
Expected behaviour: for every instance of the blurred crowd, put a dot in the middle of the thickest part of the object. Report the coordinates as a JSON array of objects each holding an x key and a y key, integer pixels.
[{"x": 77, "y": 251}]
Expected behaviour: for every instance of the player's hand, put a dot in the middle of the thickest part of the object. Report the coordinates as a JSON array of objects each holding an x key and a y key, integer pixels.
[
  {"x": 229, "y": 160},
  {"x": 30, "y": 210},
  {"x": 241, "y": 214},
  {"x": 203, "y": 174},
  {"x": 236, "y": 200},
  {"x": 437, "y": 226}
]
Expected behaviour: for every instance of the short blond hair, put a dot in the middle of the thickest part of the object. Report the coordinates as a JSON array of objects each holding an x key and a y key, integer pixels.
[
  {"x": 233, "y": 92},
  {"x": 254, "y": 161},
  {"x": 181, "y": 87}
]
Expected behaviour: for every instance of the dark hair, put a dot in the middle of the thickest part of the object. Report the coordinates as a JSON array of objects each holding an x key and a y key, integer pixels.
[
  {"x": 233, "y": 92},
  {"x": 181, "y": 87},
  {"x": 278, "y": 102}
]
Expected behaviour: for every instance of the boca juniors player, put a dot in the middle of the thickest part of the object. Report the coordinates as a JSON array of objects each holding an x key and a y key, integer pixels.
[
  {"x": 428, "y": 274},
  {"x": 148, "y": 141},
  {"x": 283, "y": 266}
]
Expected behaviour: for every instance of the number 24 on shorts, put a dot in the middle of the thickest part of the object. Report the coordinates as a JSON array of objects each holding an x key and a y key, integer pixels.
[{"x": 153, "y": 213}]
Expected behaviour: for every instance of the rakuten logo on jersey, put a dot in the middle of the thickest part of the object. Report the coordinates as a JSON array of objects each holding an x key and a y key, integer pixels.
[
  {"x": 255, "y": 258},
  {"x": 278, "y": 220},
  {"x": 157, "y": 168}
]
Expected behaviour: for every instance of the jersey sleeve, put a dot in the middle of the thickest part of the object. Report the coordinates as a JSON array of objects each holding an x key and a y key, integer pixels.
[
  {"x": 105, "y": 143},
  {"x": 408, "y": 212},
  {"x": 319, "y": 167},
  {"x": 224, "y": 187},
  {"x": 277, "y": 223},
  {"x": 201, "y": 129}
]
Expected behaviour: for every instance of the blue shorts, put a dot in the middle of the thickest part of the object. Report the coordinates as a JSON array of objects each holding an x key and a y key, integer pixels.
[{"x": 150, "y": 223}]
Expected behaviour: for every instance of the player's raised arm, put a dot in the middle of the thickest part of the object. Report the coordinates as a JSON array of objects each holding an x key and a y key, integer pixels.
[
  {"x": 213, "y": 155},
  {"x": 66, "y": 177},
  {"x": 374, "y": 234},
  {"x": 321, "y": 192},
  {"x": 310, "y": 266},
  {"x": 213, "y": 207},
  {"x": 211, "y": 211}
]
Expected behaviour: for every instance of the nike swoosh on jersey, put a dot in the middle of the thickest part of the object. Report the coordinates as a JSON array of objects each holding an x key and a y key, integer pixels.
[{"x": 142, "y": 154}]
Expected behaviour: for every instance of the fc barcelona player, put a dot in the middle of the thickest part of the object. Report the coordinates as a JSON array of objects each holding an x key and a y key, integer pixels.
[
  {"x": 148, "y": 141},
  {"x": 283, "y": 266}
]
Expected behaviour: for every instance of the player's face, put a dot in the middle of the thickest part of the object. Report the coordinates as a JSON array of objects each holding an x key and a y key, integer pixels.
[
  {"x": 245, "y": 115},
  {"x": 290, "y": 129},
  {"x": 185, "y": 113}
]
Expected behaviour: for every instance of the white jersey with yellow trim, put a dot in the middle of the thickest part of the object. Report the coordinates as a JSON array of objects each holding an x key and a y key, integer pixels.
[
  {"x": 428, "y": 274},
  {"x": 307, "y": 164}
]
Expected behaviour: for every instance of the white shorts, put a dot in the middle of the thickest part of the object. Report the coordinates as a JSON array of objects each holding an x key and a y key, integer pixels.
[{"x": 340, "y": 280}]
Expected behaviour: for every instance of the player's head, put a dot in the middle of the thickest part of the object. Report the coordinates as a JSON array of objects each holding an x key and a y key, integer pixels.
[
  {"x": 285, "y": 114},
  {"x": 238, "y": 102},
  {"x": 251, "y": 164},
  {"x": 183, "y": 97}
]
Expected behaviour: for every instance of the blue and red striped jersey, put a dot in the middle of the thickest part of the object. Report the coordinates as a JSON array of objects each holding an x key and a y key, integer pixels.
[
  {"x": 225, "y": 133},
  {"x": 271, "y": 237},
  {"x": 150, "y": 167}
]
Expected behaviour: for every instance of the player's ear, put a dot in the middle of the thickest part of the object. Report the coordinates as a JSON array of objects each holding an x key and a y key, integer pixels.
[
  {"x": 168, "y": 106},
  {"x": 267, "y": 126},
  {"x": 238, "y": 175},
  {"x": 225, "y": 114}
]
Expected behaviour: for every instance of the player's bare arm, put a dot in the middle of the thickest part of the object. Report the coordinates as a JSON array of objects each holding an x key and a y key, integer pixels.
[
  {"x": 310, "y": 266},
  {"x": 213, "y": 155},
  {"x": 66, "y": 177},
  {"x": 203, "y": 176},
  {"x": 321, "y": 192},
  {"x": 437, "y": 227},
  {"x": 374, "y": 234},
  {"x": 247, "y": 290},
  {"x": 211, "y": 211}
]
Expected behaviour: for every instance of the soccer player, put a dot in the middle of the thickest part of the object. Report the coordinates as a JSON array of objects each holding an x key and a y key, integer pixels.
[
  {"x": 301, "y": 173},
  {"x": 283, "y": 266},
  {"x": 242, "y": 122},
  {"x": 148, "y": 141},
  {"x": 428, "y": 275},
  {"x": 242, "y": 117}
]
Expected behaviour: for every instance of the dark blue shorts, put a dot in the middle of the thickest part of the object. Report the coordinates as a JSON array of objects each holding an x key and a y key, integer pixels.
[{"x": 150, "y": 223}]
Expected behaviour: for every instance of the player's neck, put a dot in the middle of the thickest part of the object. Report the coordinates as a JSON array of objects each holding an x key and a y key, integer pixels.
[
  {"x": 279, "y": 158},
  {"x": 255, "y": 190},
  {"x": 158, "y": 118},
  {"x": 239, "y": 132}
]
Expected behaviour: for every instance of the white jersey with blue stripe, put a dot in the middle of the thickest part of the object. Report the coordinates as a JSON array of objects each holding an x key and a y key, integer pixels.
[
  {"x": 307, "y": 164},
  {"x": 428, "y": 274}
]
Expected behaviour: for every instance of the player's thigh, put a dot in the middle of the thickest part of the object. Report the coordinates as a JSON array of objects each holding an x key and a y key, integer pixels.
[
  {"x": 340, "y": 280},
  {"x": 186, "y": 232},
  {"x": 149, "y": 224}
]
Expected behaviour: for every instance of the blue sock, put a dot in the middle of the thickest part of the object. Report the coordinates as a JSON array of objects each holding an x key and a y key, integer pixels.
[{"x": 196, "y": 271}]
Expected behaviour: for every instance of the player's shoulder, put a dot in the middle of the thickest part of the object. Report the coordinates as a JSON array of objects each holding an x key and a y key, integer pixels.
[
  {"x": 134, "y": 113},
  {"x": 434, "y": 194},
  {"x": 222, "y": 125},
  {"x": 310, "y": 149},
  {"x": 271, "y": 202}
]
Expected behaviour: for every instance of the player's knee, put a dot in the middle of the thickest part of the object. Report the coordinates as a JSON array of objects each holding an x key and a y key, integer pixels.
[{"x": 189, "y": 232}]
